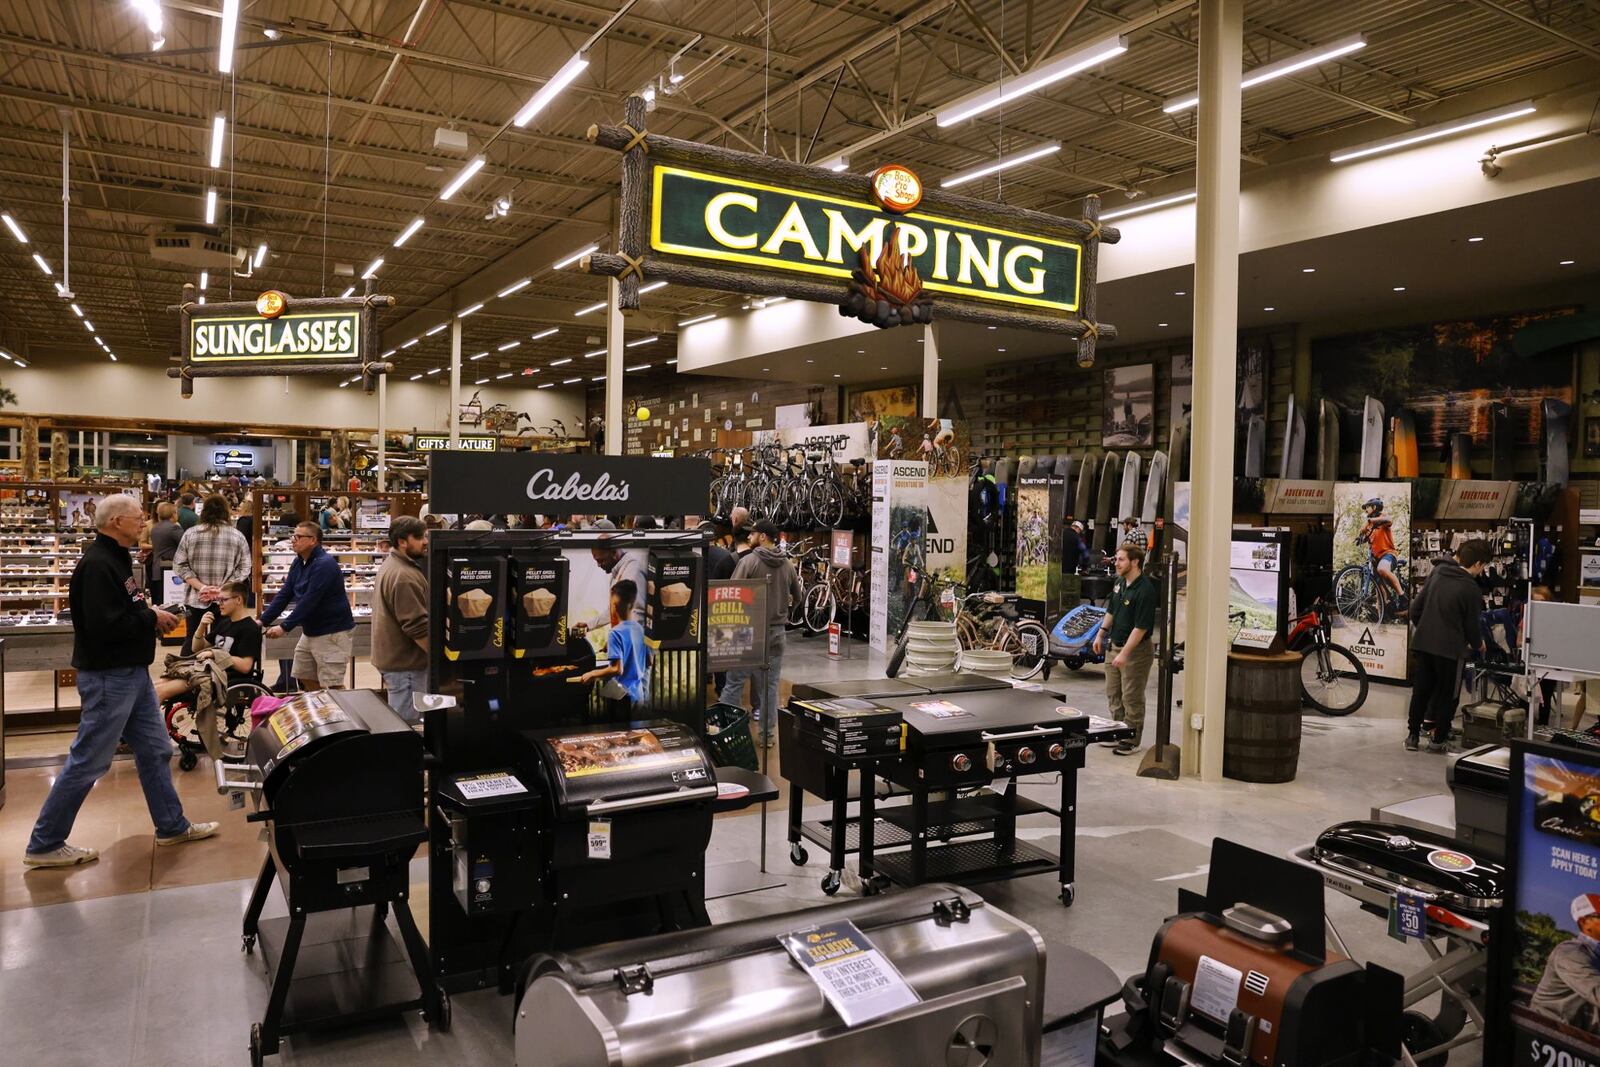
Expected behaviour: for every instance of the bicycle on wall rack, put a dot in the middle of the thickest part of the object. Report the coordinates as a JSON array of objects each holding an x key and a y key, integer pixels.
[{"x": 839, "y": 593}]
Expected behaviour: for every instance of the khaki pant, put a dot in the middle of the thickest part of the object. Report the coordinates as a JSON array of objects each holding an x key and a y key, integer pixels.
[{"x": 1125, "y": 687}]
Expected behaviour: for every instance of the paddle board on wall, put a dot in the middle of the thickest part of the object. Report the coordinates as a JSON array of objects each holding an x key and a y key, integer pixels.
[
  {"x": 1083, "y": 498},
  {"x": 1372, "y": 438},
  {"x": 1255, "y": 447},
  {"x": 1557, "y": 441},
  {"x": 1105, "y": 521},
  {"x": 1155, "y": 488},
  {"x": 1403, "y": 444},
  {"x": 1292, "y": 463},
  {"x": 1177, "y": 464},
  {"x": 1461, "y": 456},
  {"x": 1328, "y": 441},
  {"x": 1132, "y": 482}
]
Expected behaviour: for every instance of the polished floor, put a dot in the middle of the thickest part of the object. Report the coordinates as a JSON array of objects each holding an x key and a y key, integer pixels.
[{"x": 142, "y": 948}]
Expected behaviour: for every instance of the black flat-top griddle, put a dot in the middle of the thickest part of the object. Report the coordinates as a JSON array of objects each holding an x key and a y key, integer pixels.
[
  {"x": 948, "y": 716},
  {"x": 868, "y": 688}
]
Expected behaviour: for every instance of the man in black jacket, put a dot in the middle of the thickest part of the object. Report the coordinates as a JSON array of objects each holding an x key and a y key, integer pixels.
[
  {"x": 113, "y": 641},
  {"x": 1446, "y": 614}
]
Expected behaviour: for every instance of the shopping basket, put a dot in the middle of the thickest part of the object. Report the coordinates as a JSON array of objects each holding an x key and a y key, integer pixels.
[{"x": 728, "y": 737}]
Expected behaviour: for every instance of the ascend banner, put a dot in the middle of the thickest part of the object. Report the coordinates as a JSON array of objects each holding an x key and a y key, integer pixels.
[
  {"x": 1371, "y": 557},
  {"x": 529, "y": 483}
]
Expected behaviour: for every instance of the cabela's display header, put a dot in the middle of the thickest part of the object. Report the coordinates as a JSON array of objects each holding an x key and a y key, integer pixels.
[
  {"x": 726, "y": 220},
  {"x": 334, "y": 335}
]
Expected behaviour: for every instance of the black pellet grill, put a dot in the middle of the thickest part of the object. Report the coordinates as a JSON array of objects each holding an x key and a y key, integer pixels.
[{"x": 341, "y": 787}]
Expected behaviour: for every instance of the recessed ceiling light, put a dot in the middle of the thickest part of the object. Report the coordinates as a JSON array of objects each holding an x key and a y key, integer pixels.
[
  {"x": 1568, "y": 262},
  {"x": 766, "y": 368},
  {"x": 999, "y": 350},
  {"x": 1473, "y": 240},
  {"x": 1160, "y": 324},
  {"x": 1179, "y": 292},
  {"x": 810, "y": 361},
  {"x": 1269, "y": 309},
  {"x": 861, "y": 351},
  {"x": 883, "y": 368},
  {"x": 994, "y": 327},
  {"x": 1399, "y": 288},
  {"x": 1308, "y": 270}
]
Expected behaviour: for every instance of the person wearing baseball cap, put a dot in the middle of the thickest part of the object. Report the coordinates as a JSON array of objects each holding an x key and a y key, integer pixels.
[
  {"x": 1569, "y": 989},
  {"x": 766, "y": 560}
]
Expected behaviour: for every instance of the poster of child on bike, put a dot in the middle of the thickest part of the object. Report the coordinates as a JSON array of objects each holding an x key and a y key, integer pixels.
[
  {"x": 944, "y": 445},
  {"x": 1371, "y": 550}
]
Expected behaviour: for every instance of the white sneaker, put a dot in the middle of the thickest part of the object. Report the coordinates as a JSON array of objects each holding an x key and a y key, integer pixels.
[
  {"x": 196, "y": 831},
  {"x": 65, "y": 856}
]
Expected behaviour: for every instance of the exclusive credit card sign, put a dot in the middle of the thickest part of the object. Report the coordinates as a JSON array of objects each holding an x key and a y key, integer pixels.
[
  {"x": 1548, "y": 958},
  {"x": 856, "y": 979}
]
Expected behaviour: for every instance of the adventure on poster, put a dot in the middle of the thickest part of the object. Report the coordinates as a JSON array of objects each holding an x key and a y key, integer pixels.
[{"x": 1371, "y": 557}]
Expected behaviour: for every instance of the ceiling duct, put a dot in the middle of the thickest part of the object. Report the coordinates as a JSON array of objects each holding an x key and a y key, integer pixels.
[{"x": 193, "y": 246}]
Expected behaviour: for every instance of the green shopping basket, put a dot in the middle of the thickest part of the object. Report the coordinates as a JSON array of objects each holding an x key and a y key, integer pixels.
[{"x": 728, "y": 737}]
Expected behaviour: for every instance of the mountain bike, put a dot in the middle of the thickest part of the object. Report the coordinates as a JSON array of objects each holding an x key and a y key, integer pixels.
[
  {"x": 1332, "y": 680},
  {"x": 841, "y": 592},
  {"x": 1359, "y": 594},
  {"x": 924, "y": 605}
]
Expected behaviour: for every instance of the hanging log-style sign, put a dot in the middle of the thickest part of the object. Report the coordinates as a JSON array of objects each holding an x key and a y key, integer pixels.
[
  {"x": 882, "y": 247},
  {"x": 276, "y": 334}
]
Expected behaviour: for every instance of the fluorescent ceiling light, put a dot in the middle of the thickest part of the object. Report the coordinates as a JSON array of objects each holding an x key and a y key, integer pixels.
[
  {"x": 551, "y": 332},
  {"x": 87, "y": 325},
  {"x": 548, "y": 385},
  {"x": 561, "y": 362},
  {"x": 1003, "y": 163},
  {"x": 596, "y": 352},
  {"x": 205, "y": 280},
  {"x": 480, "y": 381},
  {"x": 669, "y": 363},
  {"x": 16, "y": 231},
  {"x": 261, "y": 255},
  {"x": 697, "y": 318},
  {"x": 112, "y": 354},
  {"x": 652, "y": 287},
  {"x": 463, "y": 176},
  {"x": 479, "y": 355},
  {"x": 598, "y": 378},
  {"x": 436, "y": 370},
  {"x": 347, "y": 292},
  {"x": 1282, "y": 68},
  {"x": 415, "y": 377},
  {"x": 562, "y": 264},
  {"x": 836, "y": 164},
  {"x": 569, "y": 381},
  {"x": 230, "y": 28},
  {"x": 99, "y": 342},
  {"x": 406, "y": 234},
  {"x": 464, "y": 312},
  {"x": 436, "y": 329},
  {"x": 37, "y": 258},
  {"x": 76, "y": 310},
  {"x": 372, "y": 268},
  {"x": 642, "y": 341},
  {"x": 642, "y": 366},
  {"x": 993, "y": 96},
  {"x": 502, "y": 377},
  {"x": 218, "y": 125},
  {"x": 1434, "y": 132},
  {"x": 211, "y": 207},
  {"x": 588, "y": 310},
  {"x": 508, "y": 290},
  {"x": 202, "y": 300},
  {"x": 411, "y": 342},
  {"x": 1148, "y": 205},
  {"x": 508, "y": 346},
  {"x": 550, "y": 90}
]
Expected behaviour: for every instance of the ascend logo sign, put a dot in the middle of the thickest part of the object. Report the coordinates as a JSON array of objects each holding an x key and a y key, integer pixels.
[{"x": 1367, "y": 646}]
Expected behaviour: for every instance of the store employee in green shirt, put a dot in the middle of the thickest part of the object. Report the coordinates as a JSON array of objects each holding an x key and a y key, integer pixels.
[{"x": 1130, "y": 616}]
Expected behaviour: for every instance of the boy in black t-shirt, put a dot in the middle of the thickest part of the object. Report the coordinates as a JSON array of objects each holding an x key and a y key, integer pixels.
[{"x": 233, "y": 630}]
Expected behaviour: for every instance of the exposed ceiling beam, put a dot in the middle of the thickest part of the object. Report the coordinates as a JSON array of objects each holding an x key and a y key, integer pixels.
[
  {"x": 1542, "y": 27},
  {"x": 655, "y": 26}
]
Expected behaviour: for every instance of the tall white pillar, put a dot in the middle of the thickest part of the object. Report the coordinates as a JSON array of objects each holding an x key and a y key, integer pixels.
[
  {"x": 1216, "y": 321},
  {"x": 930, "y": 371},
  {"x": 453, "y": 416},
  {"x": 614, "y": 361},
  {"x": 383, "y": 426}
]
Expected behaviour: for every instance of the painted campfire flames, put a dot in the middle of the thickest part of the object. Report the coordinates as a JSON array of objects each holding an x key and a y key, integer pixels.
[{"x": 888, "y": 292}]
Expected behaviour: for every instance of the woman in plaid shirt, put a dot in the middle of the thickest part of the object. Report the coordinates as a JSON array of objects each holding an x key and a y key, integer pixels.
[{"x": 211, "y": 554}]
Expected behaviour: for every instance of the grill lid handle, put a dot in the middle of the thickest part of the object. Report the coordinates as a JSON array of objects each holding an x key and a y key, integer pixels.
[{"x": 1257, "y": 924}]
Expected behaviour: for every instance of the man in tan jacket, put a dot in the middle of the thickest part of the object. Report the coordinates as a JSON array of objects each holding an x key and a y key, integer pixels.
[{"x": 400, "y": 615}]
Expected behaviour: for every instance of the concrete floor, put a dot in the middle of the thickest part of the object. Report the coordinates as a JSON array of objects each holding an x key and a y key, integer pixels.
[{"x": 157, "y": 977}]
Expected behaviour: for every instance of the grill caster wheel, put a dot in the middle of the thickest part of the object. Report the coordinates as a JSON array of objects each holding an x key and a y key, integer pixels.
[
  {"x": 442, "y": 1022},
  {"x": 1069, "y": 893},
  {"x": 1419, "y": 1032},
  {"x": 248, "y": 943},
  {"x": 798, "y": 854},
  {"x": 188, "y": 761},
  {"x": 830, "y": 883},
  {"x": 871, "y": 887},
  {"x": 257, "y": 1056}
]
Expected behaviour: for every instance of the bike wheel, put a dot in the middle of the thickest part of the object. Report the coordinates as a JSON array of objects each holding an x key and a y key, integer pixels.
[
  {"x": 897, "y": 657},
  {"x": 1353, "y": 595},
  {"x": 1028, "y": 644},
  {"x": 818, "y": 608},
  {"x": 827, "y": 504},
  {"x": 1332, "y": 680},
  {"x": 967, "y": 633}
]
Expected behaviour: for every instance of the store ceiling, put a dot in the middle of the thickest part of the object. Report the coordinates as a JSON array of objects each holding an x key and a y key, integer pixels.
[{"x": 332, "y": 120}]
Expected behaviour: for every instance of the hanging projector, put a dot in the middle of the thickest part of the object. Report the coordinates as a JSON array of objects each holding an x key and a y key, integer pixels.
[
  {"x": 450, "y": 140},
  {"x": 196, "y": 247}
]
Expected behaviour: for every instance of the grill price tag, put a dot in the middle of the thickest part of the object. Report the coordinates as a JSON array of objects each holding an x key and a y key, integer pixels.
[
  {"x": 1408, "y": 917},
  {"x": 599, "y": 839}
]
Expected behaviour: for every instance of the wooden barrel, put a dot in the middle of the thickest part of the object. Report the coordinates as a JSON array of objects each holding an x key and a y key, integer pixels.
[{"x": 1261, "y": 740}]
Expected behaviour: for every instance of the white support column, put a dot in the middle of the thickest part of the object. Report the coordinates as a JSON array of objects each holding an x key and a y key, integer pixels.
[
  {"x": 294, "y": 462},
  {"x": 1216, "y": 315},
  {"x": 383, "y": 426},
  {"x": 614, "y": 361},
  {"x": 172, "y": 457},
  {"x": 930, "y": 371},
  {"x": 453, "y": 416}
]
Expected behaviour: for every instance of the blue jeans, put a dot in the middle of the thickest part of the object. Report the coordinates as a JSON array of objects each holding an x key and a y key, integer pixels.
[
  {"x": 118, "y": 705},
  {"x": 400, "y": 685},
  {"x": 765, "y": 704}
]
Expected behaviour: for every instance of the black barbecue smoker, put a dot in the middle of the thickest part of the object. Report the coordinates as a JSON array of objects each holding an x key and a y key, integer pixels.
[
  {"x": 558, "y": 818},
  {"x": 340, "y": 784}
]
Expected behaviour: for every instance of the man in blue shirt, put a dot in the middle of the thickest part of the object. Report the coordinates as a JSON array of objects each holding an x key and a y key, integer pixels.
[
  {"x": 627, "y": 657},
  {"x": 321, "y": 611}
]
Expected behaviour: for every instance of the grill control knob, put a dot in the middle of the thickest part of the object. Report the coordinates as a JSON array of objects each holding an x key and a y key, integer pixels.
[
  {"x": 1026, "y": 755},
  {"x": 961, "y": 763},
  {"x": 1057, "y": 751}
]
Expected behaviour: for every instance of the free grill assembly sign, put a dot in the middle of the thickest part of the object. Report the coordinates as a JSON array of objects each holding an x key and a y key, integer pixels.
[
  {"x": 737, "y": 631},
  {"x": 706, "y": 216},
  {"x": 331, "y": 336},
  {"x": 521, "y": 483}
]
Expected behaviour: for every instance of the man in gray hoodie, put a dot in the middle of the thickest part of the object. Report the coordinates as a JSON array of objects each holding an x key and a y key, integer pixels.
[
  {"x": 764, "y": 560},
  {"x": 1446, "y": 614}
]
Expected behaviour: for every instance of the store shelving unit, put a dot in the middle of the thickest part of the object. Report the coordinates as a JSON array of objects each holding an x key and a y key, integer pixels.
[{"x": 356, "y": 549}]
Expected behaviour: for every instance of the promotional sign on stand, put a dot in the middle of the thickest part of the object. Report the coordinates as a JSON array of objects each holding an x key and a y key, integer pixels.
[
  {"x": 1368, "y": 543},
  {"x": 944, "y": 446},
  {"x": 899, "y": 557},
  {"x": 1039, "y": 522}
]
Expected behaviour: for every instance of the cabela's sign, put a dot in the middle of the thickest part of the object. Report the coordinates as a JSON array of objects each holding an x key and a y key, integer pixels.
[
  {"x": 727, "y": 220},
  {"x": 520, "y": 483},
  {"x": 334, "y": 336}
]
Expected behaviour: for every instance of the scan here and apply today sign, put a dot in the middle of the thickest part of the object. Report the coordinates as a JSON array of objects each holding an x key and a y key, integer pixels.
[{"x": 522, "y": 483}]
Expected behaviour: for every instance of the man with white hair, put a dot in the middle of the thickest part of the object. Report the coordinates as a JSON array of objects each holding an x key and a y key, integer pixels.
[
  {"x": 113, "y": 642},
  {"x": 1569, "y": 989}
]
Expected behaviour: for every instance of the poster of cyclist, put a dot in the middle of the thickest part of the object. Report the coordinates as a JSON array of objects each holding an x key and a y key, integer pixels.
[
  {"x": 1371, "y": 546},
  {"x": 1129, "y": 417},
  {"x": 945, "y": 446},
  {"x": 1039, "y": 522},
  {"x": 899, "y": 558}
]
